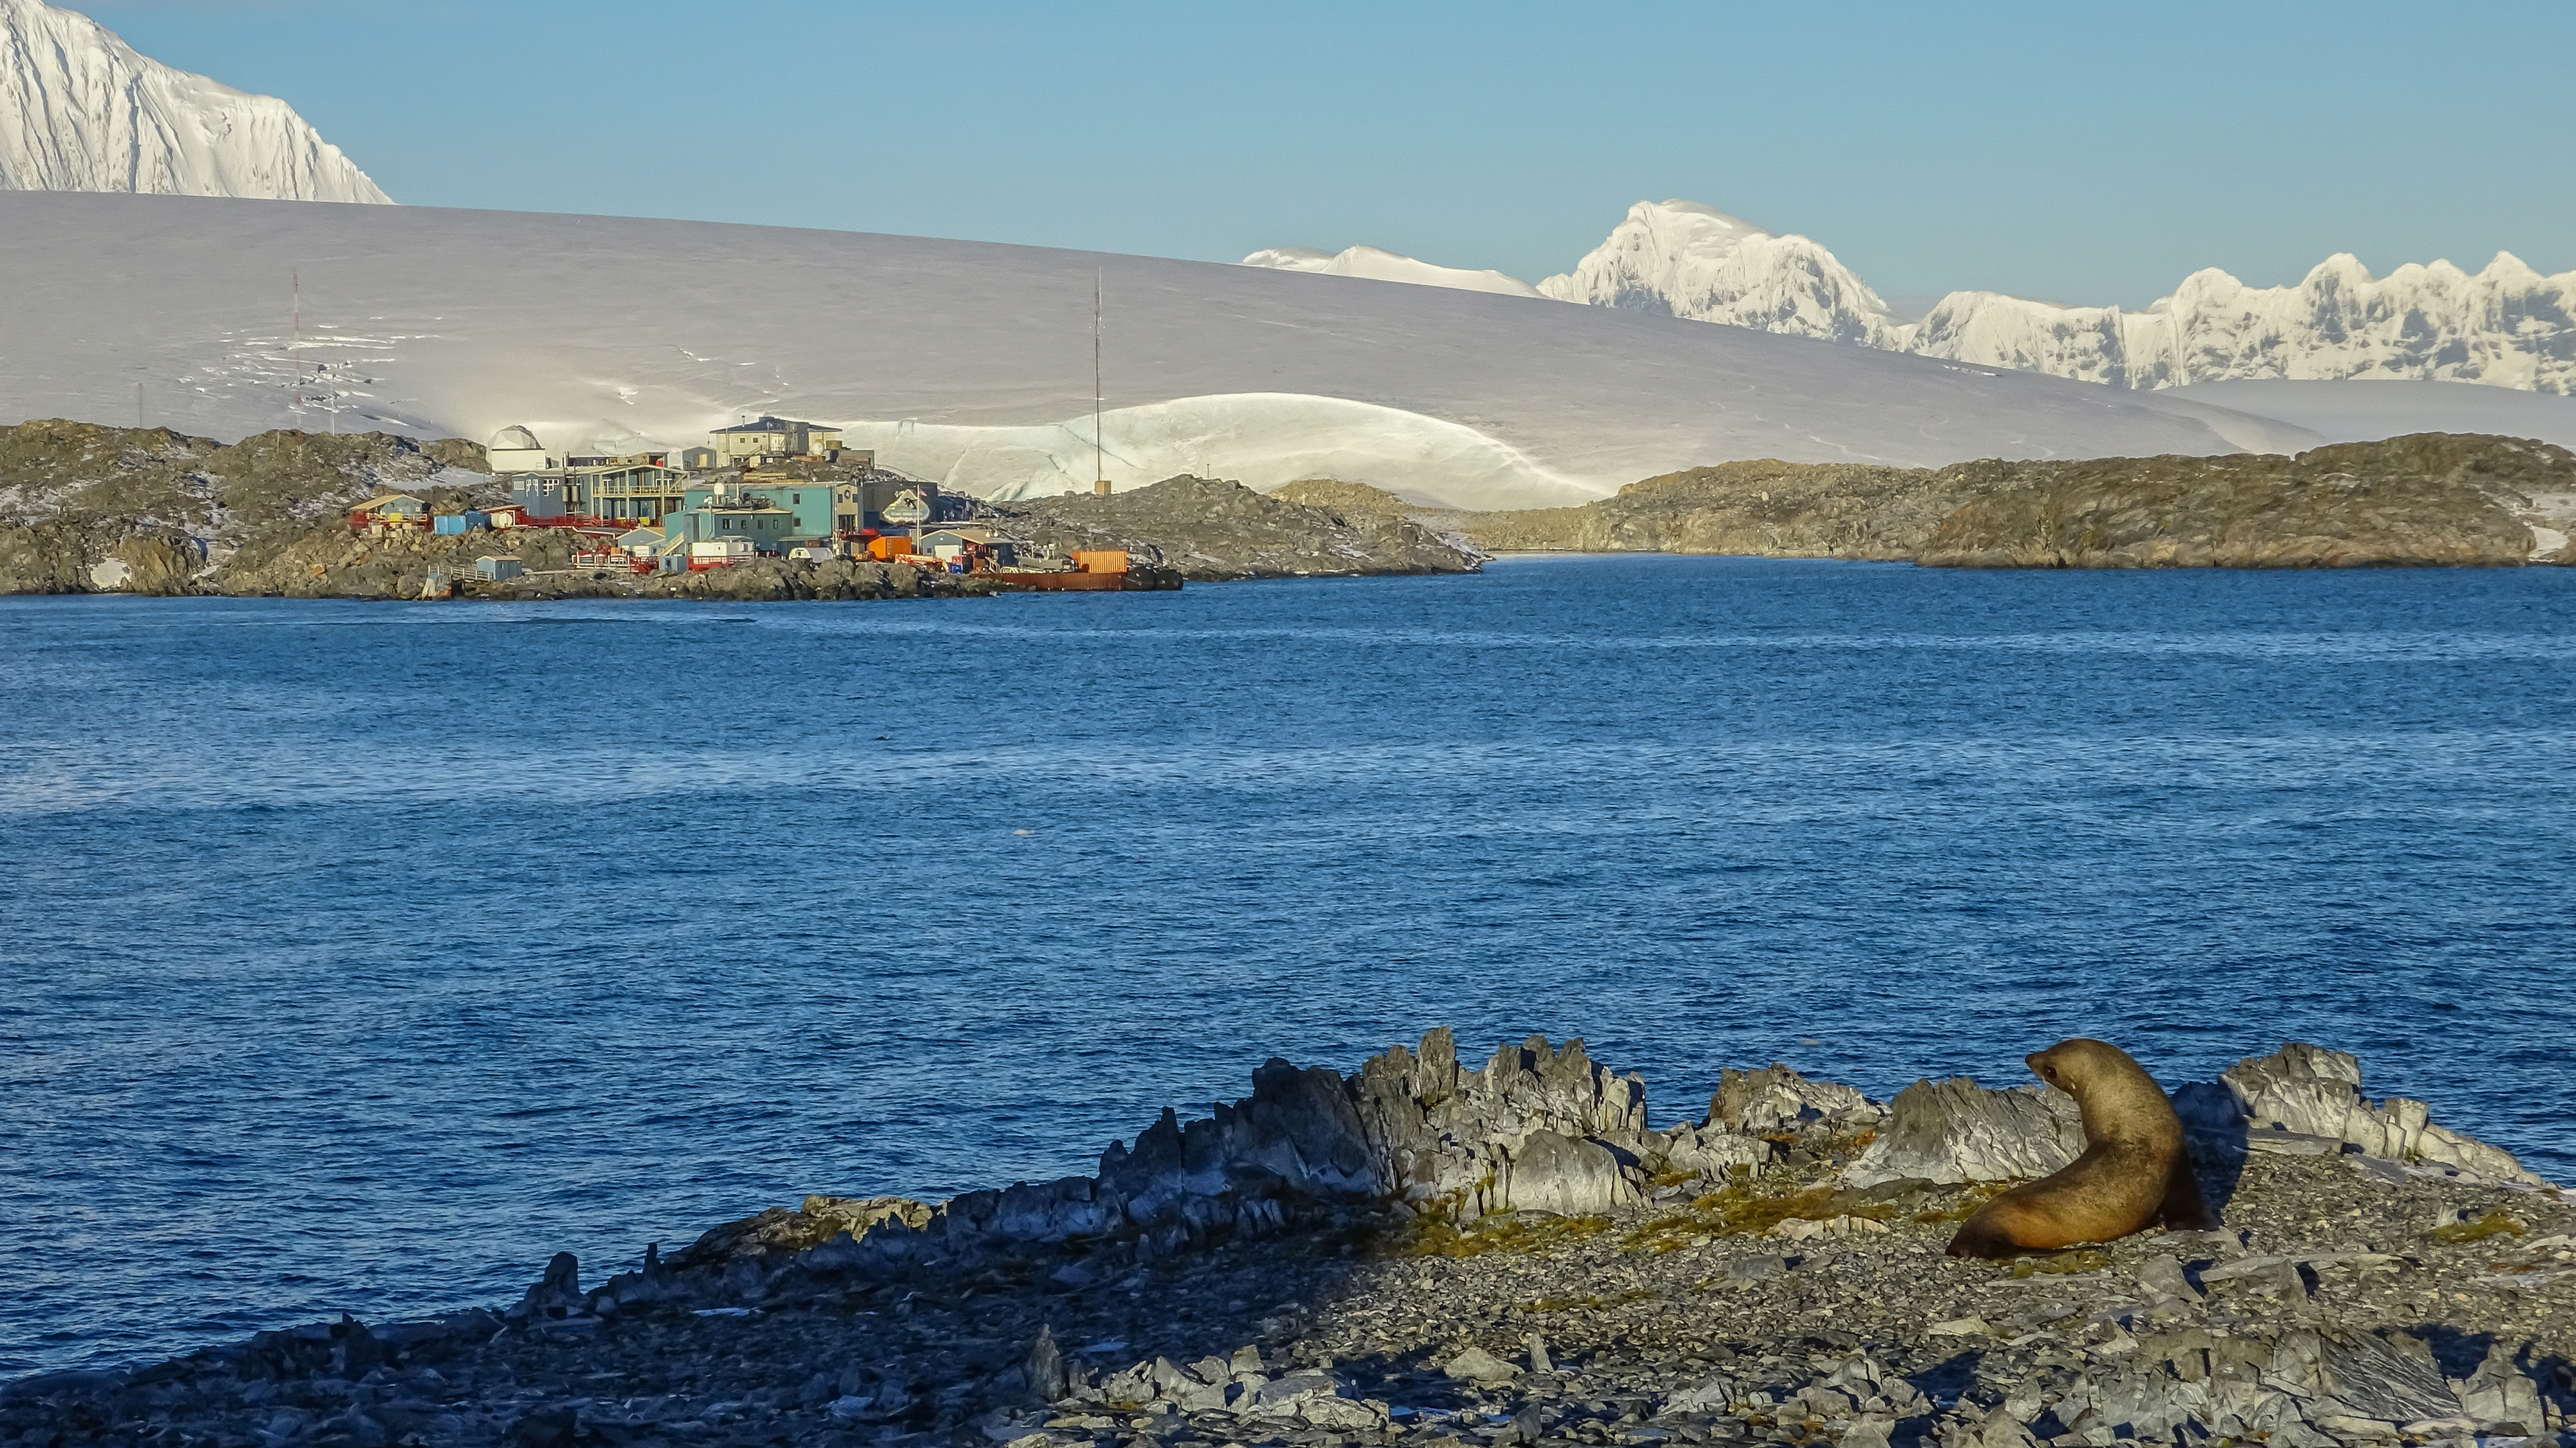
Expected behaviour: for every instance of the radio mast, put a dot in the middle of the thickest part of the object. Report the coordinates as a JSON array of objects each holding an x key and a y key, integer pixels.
[{"x": 1099, "y": 467}]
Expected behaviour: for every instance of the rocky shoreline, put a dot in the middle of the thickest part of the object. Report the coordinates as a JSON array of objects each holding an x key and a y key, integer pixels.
[
  {"x": 1430, "y": 1253},
  {"x": 90, "y": 509},
  {"x": 2430, "y": 500}
]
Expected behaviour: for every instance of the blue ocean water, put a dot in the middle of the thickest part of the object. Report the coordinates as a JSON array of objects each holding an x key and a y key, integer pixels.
[{"x": 360, "y": 956}]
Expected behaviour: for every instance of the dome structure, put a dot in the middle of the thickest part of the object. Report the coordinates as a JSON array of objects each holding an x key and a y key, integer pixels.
[{"x": 515, "y": 439}]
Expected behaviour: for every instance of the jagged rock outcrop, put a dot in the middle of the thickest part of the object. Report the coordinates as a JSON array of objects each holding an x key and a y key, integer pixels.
[
  {"x": 2316, "y": 1092},
  {"x": 1535, "y": 1128},
  {"x": 1775, "y": 1098},
  {"x": 1954, "y": 1130}
]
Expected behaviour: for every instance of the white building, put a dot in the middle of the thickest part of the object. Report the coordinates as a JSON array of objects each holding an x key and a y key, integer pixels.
[
  {"x": 772, "y": 437},
  {"x": 516, "y": 450}
]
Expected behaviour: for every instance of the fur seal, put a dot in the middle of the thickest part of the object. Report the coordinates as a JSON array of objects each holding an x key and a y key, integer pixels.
[{"x": 2135, "y": 1171}]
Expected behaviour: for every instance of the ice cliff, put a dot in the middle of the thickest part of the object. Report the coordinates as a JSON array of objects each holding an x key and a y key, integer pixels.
[{"x": 80, "y": 110}]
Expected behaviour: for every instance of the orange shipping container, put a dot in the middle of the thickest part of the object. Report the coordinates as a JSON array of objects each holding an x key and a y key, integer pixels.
[
  {"x": 1102, "y": 560},
  {"x": 889, "y": 547}
]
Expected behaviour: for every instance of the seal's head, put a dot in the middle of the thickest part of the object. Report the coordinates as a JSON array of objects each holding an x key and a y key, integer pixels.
[
  {"x": 2065, "y": 1065},
  {"x": 2117, "y": 1096}
]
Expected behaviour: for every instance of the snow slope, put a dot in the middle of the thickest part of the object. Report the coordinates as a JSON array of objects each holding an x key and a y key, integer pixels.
[
  {"x": 963, "y": 361},
  {"x": 2368, "y": 411},
  {"x": 1388, "y": 266},
  {"x": 2507, "y": 325},
  {"x": 80, "y": 110}
]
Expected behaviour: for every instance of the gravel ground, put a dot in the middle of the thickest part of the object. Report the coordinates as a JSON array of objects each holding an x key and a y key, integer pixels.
[{"x": 2347, "y": 1301}]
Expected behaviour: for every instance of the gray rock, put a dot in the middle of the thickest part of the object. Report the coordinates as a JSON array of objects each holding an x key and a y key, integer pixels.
[
  {"x": 2162, "y": 1276},
  {"x": 1712, "y": 1396},
  {"x": 1548, "y": 1172},
  {"x": 1776, "y": 1098},
  {"x": 1756, "y": 1269},
  {"x": 545, "y": 1428},
  {"x": 1475, "y": 1365},
  {"x": 68, "y": 1382},
  {"x": 1954, "y": 1131},
  {"x": 1713, "y": 1151},
  {"x": 1288, "y": 1391},
  {"x": 2499, "y": 1398},
  {"x": 1998, "y": 1429},
  {"x": 1044, "y": 1368},
  {"x": 1867, "y": 1432},
  {"x": 557, "y": 1292},
  {"x": 2362, "y": 1375},
  {"x": 1341, "y": 1415},
  {"x": 2314, "y": 1092}
]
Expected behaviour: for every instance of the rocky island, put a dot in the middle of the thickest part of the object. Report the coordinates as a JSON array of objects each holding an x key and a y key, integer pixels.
[
  {"x": 2426, "y": 500},
  {"x": 90, "y": 509},
  {"x": 1451, "y": 1255},
  {"x": 96, "y": 509}
]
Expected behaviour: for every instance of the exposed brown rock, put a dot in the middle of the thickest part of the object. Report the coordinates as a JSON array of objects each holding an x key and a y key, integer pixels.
[
  {"x": 1211, "y": 530},
  {"x": 2428, "y": 499}
]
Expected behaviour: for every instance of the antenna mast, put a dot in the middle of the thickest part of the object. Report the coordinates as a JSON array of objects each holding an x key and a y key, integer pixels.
[
  {"x": 296, "y": 357},
  {"x": 1099, "y": 467}
]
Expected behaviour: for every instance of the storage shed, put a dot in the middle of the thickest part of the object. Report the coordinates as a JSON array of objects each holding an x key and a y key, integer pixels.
[
  {"x": 498, "y": 568},
  {"x": 389, "y": 508},
  {"x": 948, "y": 543}
]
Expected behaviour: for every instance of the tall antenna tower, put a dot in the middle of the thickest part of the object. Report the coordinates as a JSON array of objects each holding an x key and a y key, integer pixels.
[
  {"x": 295, "y": 358},
  {"x": 1099, "y": 466}
]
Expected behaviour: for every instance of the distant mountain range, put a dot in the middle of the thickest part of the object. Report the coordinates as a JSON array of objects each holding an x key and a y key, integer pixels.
[
  {"x": 2507, "y": 325},
  {"x": 81, "y": 110}
]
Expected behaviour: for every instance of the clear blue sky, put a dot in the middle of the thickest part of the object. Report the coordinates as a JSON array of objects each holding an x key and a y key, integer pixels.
[{"x": 2075, "y": 152}]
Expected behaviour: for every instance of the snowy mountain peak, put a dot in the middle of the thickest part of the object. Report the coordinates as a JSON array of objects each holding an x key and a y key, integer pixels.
[
  {"x": 1376, "y": 264},
  {"x": 80, "y": 110},
  {"x": 1683, "y": 259},
  {"x": 2507, "y": 325}
]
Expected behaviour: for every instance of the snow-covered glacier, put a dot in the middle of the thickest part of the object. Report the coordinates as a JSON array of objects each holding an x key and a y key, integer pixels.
[
  {"x": 965, "y": 362},
  {"x": 1378, "y": 264},
  {"x": 2506, "y": 325},
  {"x": 81, "y": 110}
]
